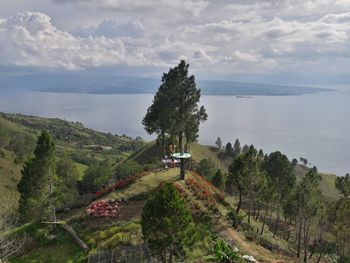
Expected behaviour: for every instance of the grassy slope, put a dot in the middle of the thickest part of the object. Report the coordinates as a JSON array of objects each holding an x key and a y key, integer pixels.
[
  {"x": 97, "y": 232},
  {"x": 327, "y": 184},
  {"x": 69, "y": 138}
]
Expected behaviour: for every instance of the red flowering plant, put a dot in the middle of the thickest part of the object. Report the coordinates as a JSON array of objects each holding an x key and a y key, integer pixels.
[
  {"x": 194, "y": 207},
  {"x": 121, "y": 184},
  {"x": 201, "y": 192},
  {"x": 103, "y": 208},
  {"x": 219, "y": 196}
]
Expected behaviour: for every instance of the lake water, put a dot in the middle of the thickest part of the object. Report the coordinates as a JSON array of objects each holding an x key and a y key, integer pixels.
[{"x": 315, "y": 126}]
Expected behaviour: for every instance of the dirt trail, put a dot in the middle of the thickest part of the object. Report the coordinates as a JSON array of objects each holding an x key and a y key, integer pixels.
[{"x": 260, "y": 253}]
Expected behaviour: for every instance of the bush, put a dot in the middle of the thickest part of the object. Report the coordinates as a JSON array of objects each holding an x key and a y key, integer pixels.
[
  {"x": 128, "y": 234},
  {"x": 2, "y": 153},
  {"x": 207, "y": 168},
  {"x": 103, "y": 208},
  {"x": 95, "y": 178},
  {"x": 128, "y": 168},
  {"x": 236, "y": 218},
  {"x": 344, "y": 259},
  {"x": 224, "y": 253}
]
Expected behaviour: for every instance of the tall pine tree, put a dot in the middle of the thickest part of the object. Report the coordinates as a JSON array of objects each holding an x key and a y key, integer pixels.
[
  {"x": 175, "y": 109},
  {"x": 36, "y": 185}
]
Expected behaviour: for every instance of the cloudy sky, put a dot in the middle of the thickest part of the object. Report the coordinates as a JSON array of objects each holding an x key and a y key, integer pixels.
[{"x": 295, "y": 41}]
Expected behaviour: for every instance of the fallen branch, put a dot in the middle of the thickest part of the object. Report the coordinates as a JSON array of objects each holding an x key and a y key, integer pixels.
[{"x": 72, "y": 232}]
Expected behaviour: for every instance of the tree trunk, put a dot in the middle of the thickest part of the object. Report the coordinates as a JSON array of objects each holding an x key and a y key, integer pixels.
[
  {"x": 52, "y": 198},
  {"x": 288, "y": 236},
  {"x": 320, "y": 256},
  {"x": 249, "y": 210},
  {"x": 163, "y": 143},
  {"x": 181, "y": 149},
  {"x": 239, "y": 202},
  {"x": 264, "y": 219},
  {"x": 182, "y": 169},
  {"x": 277, "y": 220},
  {"x": 299, "y": 236},
  {"x": 258, "y": 213},
  {"x": 305, "y": 240}
]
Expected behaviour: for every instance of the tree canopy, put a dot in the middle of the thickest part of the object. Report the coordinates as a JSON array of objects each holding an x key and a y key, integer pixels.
[
  {"x": 167, "y": 223},
  {"x": 175, "y": 110}
]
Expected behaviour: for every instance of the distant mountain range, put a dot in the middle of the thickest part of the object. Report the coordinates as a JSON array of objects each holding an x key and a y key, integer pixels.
[{"x": 99, "y": 84}]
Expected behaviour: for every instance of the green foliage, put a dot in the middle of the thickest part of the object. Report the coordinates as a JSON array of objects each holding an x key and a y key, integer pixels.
[
  {"x": 236, "y": 217},
  {"x": 206, "y": 168},
  {"x": 175, "y": 109},
  {"x": 167, "y": 224},
  {"x": 128, "y": 168},
  {"x": 237, "y": 148},
  {"x": 280, "y": 170},
  {"x": 113, "y": 237},
  {"x": 344, "y": 259},
  {"x": 218, "y": 142},
  {"x": 229, "y": 149},
  {"x": 66, "y": 181},
  {"x": 36, "y": 174},
  {"x": 224, "y": 253},
  {"x": 341, "y": 224},
  {"x": 343, "y": 185},
  {"x": 95, "y": 177},
  {"x": 218, "y": 180}
]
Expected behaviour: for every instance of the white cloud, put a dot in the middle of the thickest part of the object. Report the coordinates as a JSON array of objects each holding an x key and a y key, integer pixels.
[
  {"x": 246, "y": 37},
  {"x": 29, "y": 39},
  {"x": 194, "y": 7}
]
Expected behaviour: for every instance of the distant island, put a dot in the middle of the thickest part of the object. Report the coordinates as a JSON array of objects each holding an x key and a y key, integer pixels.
[{"x": 101, "y": 84}]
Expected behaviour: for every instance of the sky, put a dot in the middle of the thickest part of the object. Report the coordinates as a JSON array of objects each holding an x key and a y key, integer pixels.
[{"x": 276, "y": 41}]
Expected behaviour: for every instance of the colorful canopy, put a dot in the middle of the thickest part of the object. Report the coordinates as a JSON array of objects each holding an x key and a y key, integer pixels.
[{"x": 181, "y": 156}]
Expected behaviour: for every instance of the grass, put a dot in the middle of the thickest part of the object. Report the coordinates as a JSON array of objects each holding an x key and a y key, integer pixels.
[
  {"x": 146, "y": 184},
  {"x": 327, "y": 183},
  {"x": 9, "y": 177}
]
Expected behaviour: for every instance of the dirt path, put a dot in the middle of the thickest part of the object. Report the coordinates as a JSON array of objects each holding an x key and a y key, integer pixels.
[{"x": 250, "y": 248}]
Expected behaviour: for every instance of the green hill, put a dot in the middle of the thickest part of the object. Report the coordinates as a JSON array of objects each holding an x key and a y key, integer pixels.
[{"x": 18, "y": 135}]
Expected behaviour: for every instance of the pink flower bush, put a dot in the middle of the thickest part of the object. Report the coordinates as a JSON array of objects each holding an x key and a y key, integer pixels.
[{"x": 103, "y": 208}]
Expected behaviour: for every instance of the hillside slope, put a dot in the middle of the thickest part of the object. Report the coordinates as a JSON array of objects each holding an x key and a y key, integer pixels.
[{"x": 18, "y": 135}]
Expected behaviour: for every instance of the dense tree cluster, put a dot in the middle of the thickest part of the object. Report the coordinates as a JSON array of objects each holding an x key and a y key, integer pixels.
[{"x": 267, "y": 186}]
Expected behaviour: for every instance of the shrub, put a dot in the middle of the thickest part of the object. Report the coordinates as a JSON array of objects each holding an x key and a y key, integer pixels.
[
  {"x": 128, "y": 168},
  {"x": 103, "y": 208},
  {"x": 224, "y": 253},
  {"x": 121, "y": 184},
  {"x": 128, "y": 234},
  {"x": 236, "y": 218}
]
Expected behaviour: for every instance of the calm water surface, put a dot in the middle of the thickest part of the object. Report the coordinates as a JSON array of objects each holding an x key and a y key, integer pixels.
[{"x": 315, "y": 126}]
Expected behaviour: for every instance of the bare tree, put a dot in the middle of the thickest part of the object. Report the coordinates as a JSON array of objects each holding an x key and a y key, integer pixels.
[{"x": 10, "y": 243}]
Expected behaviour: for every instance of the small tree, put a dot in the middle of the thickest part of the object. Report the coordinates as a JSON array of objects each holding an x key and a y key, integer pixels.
[
  {"x": 218, "y": 180},
  {"x": 229, "y": 149},
  {"x": 343, "y": 185},
  {"x": 218, "y": 142},
  {"x": 237, "y": 147},
  {"x": 166, "y": 223},
  {"x": 206, "y": 168}
]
